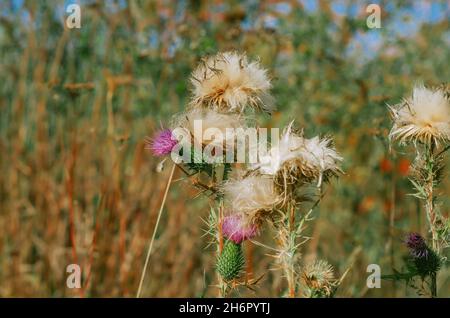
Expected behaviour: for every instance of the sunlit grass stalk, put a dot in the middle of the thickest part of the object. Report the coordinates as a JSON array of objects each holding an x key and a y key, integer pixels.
[{"x": 149, "y": 251}]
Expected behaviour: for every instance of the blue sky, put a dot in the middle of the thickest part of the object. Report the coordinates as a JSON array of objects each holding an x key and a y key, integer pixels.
[{"x": 405, "y": 22}]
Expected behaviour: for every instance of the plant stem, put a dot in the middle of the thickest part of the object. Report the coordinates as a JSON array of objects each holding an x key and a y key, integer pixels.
[
  {"x": 169, "y": 181},
  {"x": 223, "y": 286},
  {"x": 430, "y": 209},
  {"x": 221, "y": 283},
  {"x": 287, "y": 236},
  {"x": 429, "y": 202},
  {"x": 291, "y": 277},
  {"x": 433, "y": 285}
]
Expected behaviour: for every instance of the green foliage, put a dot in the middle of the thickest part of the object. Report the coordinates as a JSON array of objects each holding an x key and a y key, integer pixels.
[
  {"x": 198, "y": 163},
  {"x": 424, "y": 268},
  {"x": 319, "y": 293}
]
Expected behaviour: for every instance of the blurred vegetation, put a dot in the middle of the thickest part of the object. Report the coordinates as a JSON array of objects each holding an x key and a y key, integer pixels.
[{"x": 77, "y": 186}]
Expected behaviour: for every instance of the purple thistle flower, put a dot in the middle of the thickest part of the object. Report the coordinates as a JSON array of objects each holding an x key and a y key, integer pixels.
[
  {"x": 234, "y": 229},
  {"x": 163, "y": 143},
  {"x": 416, "y": 244}
]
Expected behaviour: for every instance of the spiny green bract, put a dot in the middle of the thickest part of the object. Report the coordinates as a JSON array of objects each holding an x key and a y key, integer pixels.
[
  {"x": 320, "y": 293},
  {"x": 231, "y": 262},
  {"x": 427, "y": 265}
]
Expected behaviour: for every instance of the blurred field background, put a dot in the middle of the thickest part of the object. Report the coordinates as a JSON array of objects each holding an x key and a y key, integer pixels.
[{"x": 77, "y": 185}]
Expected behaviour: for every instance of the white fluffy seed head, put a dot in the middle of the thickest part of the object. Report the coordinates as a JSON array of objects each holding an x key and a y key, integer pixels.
[
  {"x": 213, "y": 121},
  {"x": 253, "y": 196},
  {"x": 288, "y": 148},
  {"x": 227, "y": 82},
  {"x": 320, "y": 153},
  {"x": 296, "y": 158},
  {"x": 423, "y": 117}
]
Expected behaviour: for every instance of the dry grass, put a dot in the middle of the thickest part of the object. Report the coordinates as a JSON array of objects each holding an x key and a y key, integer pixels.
[{"x": 77, "y": 186}]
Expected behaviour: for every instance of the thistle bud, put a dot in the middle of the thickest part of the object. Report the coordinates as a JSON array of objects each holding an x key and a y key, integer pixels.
[
  {"x": 231, "y": 261},
  {"x": 425, "y": 260}
]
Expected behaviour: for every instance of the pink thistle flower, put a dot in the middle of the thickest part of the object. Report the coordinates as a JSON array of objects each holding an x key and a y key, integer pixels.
[
  {"x": 234, "y": 229},
  {"x": 417, "y": 245},
  {"x": 163, "y": 143}
]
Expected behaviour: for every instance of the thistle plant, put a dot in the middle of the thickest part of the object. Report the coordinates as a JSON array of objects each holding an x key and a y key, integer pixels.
[
  {"x": 296, "y": 165},
  {"x": 421, "y": 266},
  {"x": 231, "y": 261},
  {"x": 423, "y": 121},
  {"x": 226, "y": 90}
]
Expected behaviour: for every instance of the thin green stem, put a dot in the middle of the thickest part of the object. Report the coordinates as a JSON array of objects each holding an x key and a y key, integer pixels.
[
  {"x": 288, "y": 247},
  {"x": 223, "y": 286},
  {"x": 429, "y": 201},
  {"x": 221, "y": 283},
  {"x": 430, "y": 209},
  {"x": 433, "y": 286}
]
